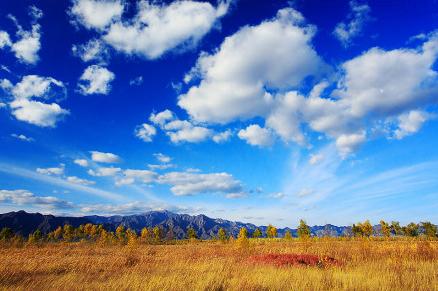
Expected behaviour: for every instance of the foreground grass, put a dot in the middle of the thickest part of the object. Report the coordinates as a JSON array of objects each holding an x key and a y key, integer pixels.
[{"x": 366, "y": 265}]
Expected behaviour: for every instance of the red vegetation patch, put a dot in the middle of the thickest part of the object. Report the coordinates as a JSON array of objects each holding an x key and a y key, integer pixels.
[{"x": 288, "y": 260}]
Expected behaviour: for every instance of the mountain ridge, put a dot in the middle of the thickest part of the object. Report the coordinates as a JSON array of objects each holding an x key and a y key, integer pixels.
[{"x": 25, "y": 223}]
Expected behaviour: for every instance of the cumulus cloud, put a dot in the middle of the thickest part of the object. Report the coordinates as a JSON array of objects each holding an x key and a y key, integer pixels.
[
  {"x": 25, "y": 197},
  {"x": 25, "y": 108},
  {"x": 22, "y": 137},
  {"x": 162, "y": 117},
  {"x": 409, "y": 123},
  {"x": 276, "y": 54},
  {"x": 189, "y": 133},
  {"x": 93, "y": 50},
  {"x": 257, "y": 136},
  {"x": 102, "y": 157},
  {"x": 57, "y": 171},
  {"x": 186, "y": 183},
  {"x": 348, "y": 143},
  {"x": 104, "y": 171},
  {"x": 160, "y": 166},
  {"x": 145, "y": 132},
  {"x": 95, "y": 80},
  {"x": 358, "y": 17},
  {"x": 96, "y": 14},
  {"x": 27, "y": 43},
  {"x": 79, "y": 181},
  {"x": 222, "y": 136},
  {"x": 81, "y": 162},
  {"x": 154, "y": 29}
]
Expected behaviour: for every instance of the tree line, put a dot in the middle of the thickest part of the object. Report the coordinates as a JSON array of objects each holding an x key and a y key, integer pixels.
[{"x": 155, "y": 235}]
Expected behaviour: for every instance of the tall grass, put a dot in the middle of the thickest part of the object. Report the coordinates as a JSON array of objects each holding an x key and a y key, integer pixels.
[{"x": 396, "y": 264}]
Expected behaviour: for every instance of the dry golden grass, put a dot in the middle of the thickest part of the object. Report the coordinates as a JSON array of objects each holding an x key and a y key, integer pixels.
[{"x": 366, "y": 265}]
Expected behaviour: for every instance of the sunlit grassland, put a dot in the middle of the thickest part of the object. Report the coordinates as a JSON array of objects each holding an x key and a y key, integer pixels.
[{"x": 396, "y": 264}]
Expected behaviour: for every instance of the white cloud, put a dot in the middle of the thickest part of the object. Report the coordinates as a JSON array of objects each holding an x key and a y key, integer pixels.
[
  {"x": 257, "y": 136},
  {"x": 104, "y": 171},
  {"x": 57, "y": 171},
  {"x": 25, "y": 197},
  {"x": 359, "y": 15},
  {"x": 236, "y": 195},
  {"x": 96, "y": 14},
  {"x": 161, "y": 166},
  {"x": 145, "y": 132},
  {"x": 130, "y": 176},
  {"x": 96, "y": 80},
  {"x": 276, "y": 54},
  {"x": 22, "y": 137},
  {"x": 315, "y": 158},
  {"x": 81, "y": 162},
  {"x": 93, "y": 50},
  {"x": 305, "y": 192},
  {"x": 410, "y": 123},
  {"x": 26, "y": 109},
  {"x": 79, "y": 181},
  {"x": 185, "y": 183},
  {"x": 5, "y": 40},
  {"x": 28, "y": 43},
  {"x": 136, "y": 81},
  {"x": 222, "y": 136},
  {"x": 189, "y": 133},
  {"x": 162, "y": 158},
  {"x": 348, "y": 143},
  {"x": 102, "y": 157},
  {"x": 154, "y": 29},
  {"x": 162, "y": 117}
]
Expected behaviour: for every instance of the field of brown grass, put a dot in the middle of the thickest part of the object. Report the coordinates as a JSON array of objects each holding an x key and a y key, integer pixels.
[{"x": 404, "y": 264}]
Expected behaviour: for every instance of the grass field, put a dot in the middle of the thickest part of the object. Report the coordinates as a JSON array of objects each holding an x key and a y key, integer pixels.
[{"x": 404, "y": 264}]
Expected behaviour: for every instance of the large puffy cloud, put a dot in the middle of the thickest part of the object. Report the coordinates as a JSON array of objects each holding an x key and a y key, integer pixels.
[
  {"x": 154, "y": 29},
  {"x": 185, "y": 183},
  {"x": 276, "y": 54},
  {"x": 346, "y": 31},
  {"x": 374, "y": 87},
  {"x": 25, "y": 108},
  {"x": 130, "y": 176},
  {"x": 96, "y": 80}
]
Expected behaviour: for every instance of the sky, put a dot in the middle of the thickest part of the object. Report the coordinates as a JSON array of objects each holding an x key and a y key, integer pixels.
[{"x": 256, "y": 111}]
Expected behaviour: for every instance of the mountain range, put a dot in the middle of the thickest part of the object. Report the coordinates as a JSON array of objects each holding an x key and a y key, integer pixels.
[{"x": 25, "y": 223}]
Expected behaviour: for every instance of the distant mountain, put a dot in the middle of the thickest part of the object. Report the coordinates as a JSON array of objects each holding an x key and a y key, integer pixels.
[{"x": 206, "y": 227}]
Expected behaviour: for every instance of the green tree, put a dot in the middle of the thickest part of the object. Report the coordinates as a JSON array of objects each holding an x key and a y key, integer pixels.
[
  {"x": 430, "y": 230},
  {"x": 271, "y": 231},
  {"x": 191, "y": 233},
  {"x": 357, "y": 229},
  {"x": 287, "y": 235},
  {"x": 6, "y": 234},
  {"x": 385, "y": 229},
  {"x": 303, "y": 230},
  {"x": 68, "y": 232},
  {"x": 222, "y": 235},
  {"x": 411, "y": 229},
  {"x": 257, "y": 233}
]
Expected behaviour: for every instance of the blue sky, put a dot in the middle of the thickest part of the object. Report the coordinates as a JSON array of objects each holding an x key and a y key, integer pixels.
[{"x": 258, "y": 111}]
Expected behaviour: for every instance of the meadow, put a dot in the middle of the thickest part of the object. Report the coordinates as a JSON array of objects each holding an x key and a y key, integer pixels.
[{"x": 361, "y": 264}]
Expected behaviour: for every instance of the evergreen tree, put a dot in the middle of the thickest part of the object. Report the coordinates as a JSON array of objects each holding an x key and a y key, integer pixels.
[
  {"x": 191, "y": 233},
  {"x": 303, "y": 230},
  {"x": 222, "y": 235}
]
